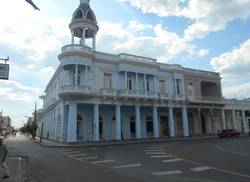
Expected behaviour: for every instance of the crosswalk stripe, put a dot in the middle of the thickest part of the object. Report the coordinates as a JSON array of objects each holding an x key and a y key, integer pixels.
[
  {"x": 86, "y": 158},
  {"x": 77, "y": 155},
  {"x": 172, "y": 160},
  {"x": 105, "y": 161},
  {"x": 127, "y": 166},
  {"x": 153, "y": 150},
  {"x": 160, "y": 156},
  {"x": 200, "y": 169},
  {"x": 167, "y": 172},
  {"x": 156, "y": 153},
  {"x": 65, "y": 150},
  {"x": 72, "y": 152}
]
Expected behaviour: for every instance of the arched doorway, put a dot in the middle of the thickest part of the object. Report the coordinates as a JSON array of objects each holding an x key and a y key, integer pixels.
[
  {"x": 100, "y": 127},
  {"x": 132, "y": 126},
  {"x": 149, "y": 126},
  {"x": 79, "y": 126}
]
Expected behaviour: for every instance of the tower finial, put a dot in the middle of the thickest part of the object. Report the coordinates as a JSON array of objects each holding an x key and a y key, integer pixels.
[{"x": 84, "y": 1}]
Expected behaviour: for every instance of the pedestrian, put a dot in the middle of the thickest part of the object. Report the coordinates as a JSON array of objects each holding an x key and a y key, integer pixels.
[{"x": 3, "y": 155}]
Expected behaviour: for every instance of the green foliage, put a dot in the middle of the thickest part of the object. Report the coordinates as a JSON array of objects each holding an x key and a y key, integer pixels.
[{"x": 27, "y": 128}]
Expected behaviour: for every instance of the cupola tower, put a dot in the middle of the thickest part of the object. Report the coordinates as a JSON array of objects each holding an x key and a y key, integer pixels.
[{"x": 83, "y": 25}]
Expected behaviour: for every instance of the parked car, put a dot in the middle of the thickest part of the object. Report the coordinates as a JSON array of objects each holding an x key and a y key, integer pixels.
[{"x": 229, "y": 133}]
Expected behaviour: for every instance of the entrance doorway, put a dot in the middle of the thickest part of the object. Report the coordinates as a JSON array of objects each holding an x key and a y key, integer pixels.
[
  {"x": 113, "y": 128},
  {"x": 203, "y": 124},
  {"x": 79, "y": 131},
  {"x": 164, "y": 126},
  {"x": 100, "y": 127}
]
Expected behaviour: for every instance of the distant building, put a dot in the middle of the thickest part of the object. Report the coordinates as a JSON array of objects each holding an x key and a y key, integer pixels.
[
  {"x": 96, "y": 96},
  {"x": 5, "y": 122}
]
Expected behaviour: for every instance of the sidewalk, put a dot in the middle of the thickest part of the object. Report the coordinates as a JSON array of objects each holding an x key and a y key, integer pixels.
[{"x": 52, "y": 144}]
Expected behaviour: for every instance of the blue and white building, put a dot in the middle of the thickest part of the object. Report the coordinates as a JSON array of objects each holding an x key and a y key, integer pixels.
[{"x": 95, "y": 96}]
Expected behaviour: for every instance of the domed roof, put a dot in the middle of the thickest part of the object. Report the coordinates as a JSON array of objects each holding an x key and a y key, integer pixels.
[{"x": 84, "y": 10}]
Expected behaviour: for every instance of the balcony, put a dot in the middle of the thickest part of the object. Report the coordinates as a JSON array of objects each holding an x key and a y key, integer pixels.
[
  {"x": 108, "y": 91},
  {"x": 206, "y": 99},
  {"x": 75, "y": 90},
  {"x": 76, "y": 47},
  {"x": 162, "y": 95},
  {"x": 136, "y": 93}
]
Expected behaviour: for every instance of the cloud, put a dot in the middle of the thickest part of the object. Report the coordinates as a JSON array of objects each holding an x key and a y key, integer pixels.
[
  {"x": 137, "y": 26},
  {"x": 239, "y": 91},
  {"x": 203, "y": 52},
  {"x": 31, "y": 32},
  {"x": 234, "y": 67},
  {"x": 206, "y": 15},
  {"x": 234, "y": 64},
  {"x": 15, "y": 91},
  {"x": 162, "y": 45}
]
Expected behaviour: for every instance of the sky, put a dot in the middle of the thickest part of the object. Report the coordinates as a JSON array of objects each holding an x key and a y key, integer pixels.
[{"x": 212, "y": 35}]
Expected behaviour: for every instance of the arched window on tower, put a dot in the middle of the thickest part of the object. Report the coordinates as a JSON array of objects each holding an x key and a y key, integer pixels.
[
  {"x": 79, "y": 15},
  {"x": 90, "y": 16}
]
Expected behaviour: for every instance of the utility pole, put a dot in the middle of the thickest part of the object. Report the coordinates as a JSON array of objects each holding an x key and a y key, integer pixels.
[
  {"x": 34, "y": 124},
  {"x": 1, "y": 121}
]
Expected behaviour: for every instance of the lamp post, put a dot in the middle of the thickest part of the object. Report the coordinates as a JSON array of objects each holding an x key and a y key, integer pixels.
[{"x": 34, "y": 124}]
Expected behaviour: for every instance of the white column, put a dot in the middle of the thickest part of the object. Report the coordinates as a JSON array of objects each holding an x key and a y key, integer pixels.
[
  {"x": 72, "y": 121},
  {"x": 83, "y": 37},
  {"x": 76, "y": 74},
  {"x": 86, "y": 74},
  {"x": 94, "y": 42},
  {"x": 125, "y": 80},
  {"x": 224, "y": 126},
  {"x": 118, "y": 122},
  {"x": 212, "y": 120},
  {"x": 62, "y": 124},
  {"x": 72, "y": 37},
  {"x": 234, "y": 120},
  {"x": 155, "y": 85},
  {"x": 96, "y": 122},
  {"x": 200, "y": 122},
  {"x": 244, "y": 121},
  {"x": 145, "y": 84},
  {"x": 138, "y": 121},
  {"x": 171, "y": 122},
  {"x": 155, "y": 122},
  {"x": 185, "y": 124},
  {"x": 137, "y": 83}
]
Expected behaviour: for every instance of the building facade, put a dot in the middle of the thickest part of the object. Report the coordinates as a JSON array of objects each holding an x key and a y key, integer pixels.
[{"x": 96, "y": 96}]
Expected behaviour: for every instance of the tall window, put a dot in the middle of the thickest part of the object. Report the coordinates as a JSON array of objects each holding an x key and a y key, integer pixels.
[
  {"x": 190, "y": 89},
  {"x": 178, "y": 86},
  {"x": 78, "y": 77},
  {"x": 148, "y": 84},
  {"x": 129, "y": 82},
  {"x": 108, "y": 80},
  {"x": 162, "y": 86}
]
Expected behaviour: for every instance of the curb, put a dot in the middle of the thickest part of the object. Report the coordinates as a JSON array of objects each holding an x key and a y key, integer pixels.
[{"x": 103, "y": 144}]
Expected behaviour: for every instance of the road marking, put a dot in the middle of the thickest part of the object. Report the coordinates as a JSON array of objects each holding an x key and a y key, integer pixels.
[
  {"x": 65, "y": 150},
  {"x": 230, "y": 151},
  {"x": 156, "y": 145},
  {"x": 105, "y": 161},
  {"x": 77, "y": 155},
  {"x": 72, "y": 152},
  {"x": 160, "y": 156},
  {"x": 156, "y": 153},
  {"x": 86, "y": 158},
  {"x": 218, "y": 169},
  {"x": 127, "y": 166},
  {"x": 93, "y": 148},
  {"x": 153, "y": 150},
  {"x": 172, "y": 160},
  {"x": 200, "y": 169},
  {"x": 167, "y": 173}
]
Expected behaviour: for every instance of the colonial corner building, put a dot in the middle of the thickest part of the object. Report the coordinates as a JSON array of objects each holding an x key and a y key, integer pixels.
[{"x": 95, "y": 96}]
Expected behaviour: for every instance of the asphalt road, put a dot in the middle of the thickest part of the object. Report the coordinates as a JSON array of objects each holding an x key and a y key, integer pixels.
[{"x": 212, "y": 160}]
